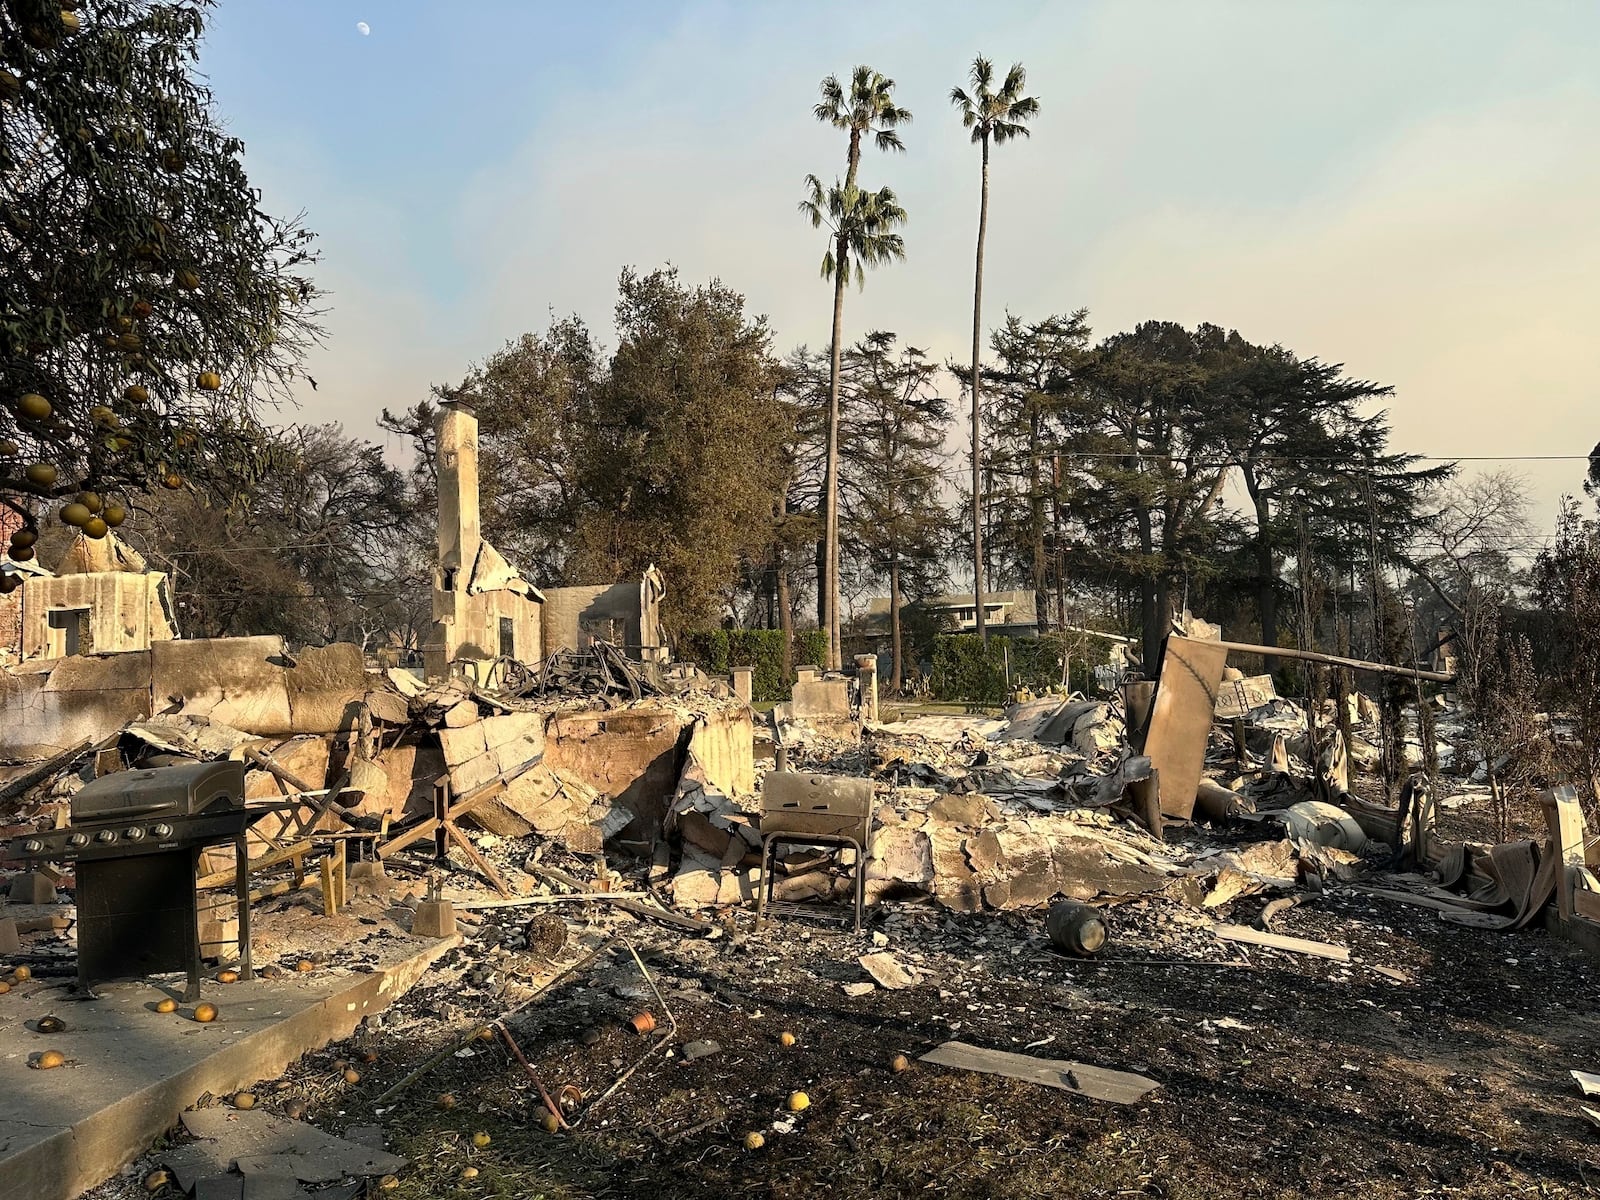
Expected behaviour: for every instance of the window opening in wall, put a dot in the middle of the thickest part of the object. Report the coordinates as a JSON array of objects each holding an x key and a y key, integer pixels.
[
  {"x": 69, "y": 632},
  {"x": 508, "y": 638}
]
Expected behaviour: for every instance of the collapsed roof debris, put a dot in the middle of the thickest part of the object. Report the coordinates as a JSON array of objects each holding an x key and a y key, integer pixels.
[{"x": 518, "y": 826}]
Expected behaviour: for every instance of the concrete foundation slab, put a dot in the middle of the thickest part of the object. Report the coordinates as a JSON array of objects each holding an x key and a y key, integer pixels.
[{"x": 131, "y": 1071}]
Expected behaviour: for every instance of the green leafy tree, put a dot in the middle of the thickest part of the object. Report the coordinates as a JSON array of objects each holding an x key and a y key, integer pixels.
[
  {"x": 861, "y": 228},
  {"x": 1141, "y": 431},
  {"x": 678, "y": 452},
  {"x": 148, "y": 307},
  {"x": 997, "y": 117},
  {"x": 531, "y": 397},
  {"x": 1306, "y": 453},
  {"x": 892, "y": 427},
  {"x": 1566, "y": 590},
  {"x": 1033, "y": 367}
]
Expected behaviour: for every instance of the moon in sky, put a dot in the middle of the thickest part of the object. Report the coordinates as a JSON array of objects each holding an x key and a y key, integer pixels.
[{"x": 363, "y": 28}]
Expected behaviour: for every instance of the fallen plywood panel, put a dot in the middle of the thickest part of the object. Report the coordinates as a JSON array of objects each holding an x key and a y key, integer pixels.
[
  {"x": 1588, "y": 1084},
  {"x": 1277, "y": 941},
  {"x": 1114, "y": 1087},
  {"x": 1180, "y": 719}
]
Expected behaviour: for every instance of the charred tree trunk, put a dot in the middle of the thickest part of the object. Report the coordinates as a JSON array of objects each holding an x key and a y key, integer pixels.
[{"x": 897, "y": 670}]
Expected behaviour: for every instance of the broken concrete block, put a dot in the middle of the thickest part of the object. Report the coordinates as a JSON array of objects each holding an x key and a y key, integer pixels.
[
  {"x": 306, "y": 758},
  {"x": 369, "y": 873},
  {"x": 512, "y": 727},
  {"x": 888, "y": 971},
  {"x": 697, "y": 883},
  {"x": 736, "y": 887},
  {"x": 983, "y": 852},
  {"x": 372, "y": 781},
  {"x": 473, "y": 774},
  {"x": 1028, "y": 864},
  {"x": 459, "y": 716},
  {"x": 433, "y": 919},
  {"x": 10, "y": 943},
  {"x": 462, "y": 744},
  {"x": 901, "y": 854},
  {"x": 970, "y": 809},
  {"x": 31, "y": 887},
  {"x": 389, "y": 707}
]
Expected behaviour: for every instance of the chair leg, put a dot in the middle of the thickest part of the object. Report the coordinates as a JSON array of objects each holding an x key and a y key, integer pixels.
[{"x": 764, "y": 887}]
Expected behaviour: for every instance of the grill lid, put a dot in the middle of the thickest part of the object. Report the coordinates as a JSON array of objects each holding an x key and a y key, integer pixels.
[{"x": 181, "y": 791}]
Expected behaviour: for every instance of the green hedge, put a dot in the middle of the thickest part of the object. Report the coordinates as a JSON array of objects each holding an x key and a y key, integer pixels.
[
  {"x": 717, "y": 651},
  {"x": 963, "y": 670}
]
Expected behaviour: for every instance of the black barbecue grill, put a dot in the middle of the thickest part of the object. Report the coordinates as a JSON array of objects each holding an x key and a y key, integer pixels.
[{"x": 136, "y": 838}]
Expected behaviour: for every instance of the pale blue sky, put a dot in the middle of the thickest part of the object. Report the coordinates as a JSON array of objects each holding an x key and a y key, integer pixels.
[{"x": 1410, "y": 188}]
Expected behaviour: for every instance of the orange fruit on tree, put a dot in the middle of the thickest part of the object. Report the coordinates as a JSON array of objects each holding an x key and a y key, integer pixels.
[
  {"x": 34, "y": 407},
  {"x": 209, "y": 381},
  {"x": 114, "y": 515},
  {"x": 18, "y": 554},
  {"x": 143, "y": 308},
  {"x": 136, "y": 393},
  {"x": 24, "y": 537},
  {"x": 101, "y": 414},
  {"x": 96, "y": 528},
  {"x": 41, "y": 475},
  {"x": 76, "y": 514},
  {"x": 90, "y": 500},
  {"x": 172, "y": 480},
  {"x": 187, "y": 280}
]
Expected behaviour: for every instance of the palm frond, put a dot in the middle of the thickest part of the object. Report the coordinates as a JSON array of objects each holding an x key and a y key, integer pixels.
[
  {"x": 1016, "y": 80},
  {"x": 1023, "y": 110},
  {"x": 888, "y": 139},
  {"x": 830, "y": 109},
  {"x": 982, "y": 74}
]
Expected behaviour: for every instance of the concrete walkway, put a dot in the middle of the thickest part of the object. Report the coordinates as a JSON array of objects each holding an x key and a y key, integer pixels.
[{"x": 131, "y": 1071}]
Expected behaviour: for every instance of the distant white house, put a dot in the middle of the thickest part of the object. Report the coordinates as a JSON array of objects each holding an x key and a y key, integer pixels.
[{"x": 1007, "y": 614}]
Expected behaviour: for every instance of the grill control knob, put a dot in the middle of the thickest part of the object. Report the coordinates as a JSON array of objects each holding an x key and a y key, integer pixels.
[
  {"x": 33, "y": 846},
  {"x": 78, "y": 839},
  {"x": 133, "y": 833},
  {"x": 106, "y": 835},
  {"x": 161, "y": 831}
]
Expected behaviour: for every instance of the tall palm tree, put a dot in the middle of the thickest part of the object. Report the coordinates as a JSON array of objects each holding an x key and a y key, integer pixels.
[
  {"x": 866, "y": 108},
  {"x": 998, "y": 117}
]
